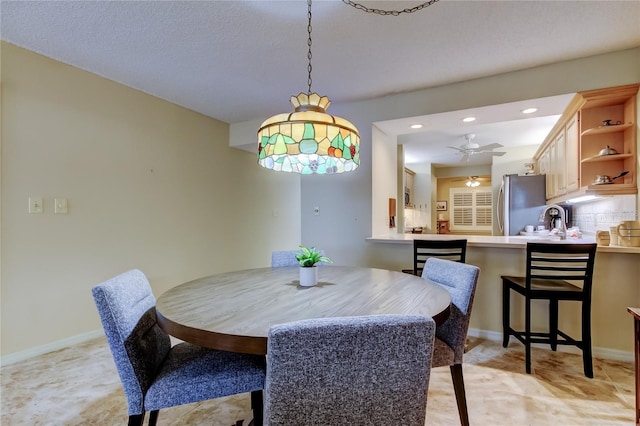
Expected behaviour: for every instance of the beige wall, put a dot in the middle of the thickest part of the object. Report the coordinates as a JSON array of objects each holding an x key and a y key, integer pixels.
[{"x": 150, "y": 185}]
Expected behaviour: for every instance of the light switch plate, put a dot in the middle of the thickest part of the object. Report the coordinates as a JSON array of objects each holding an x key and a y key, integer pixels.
[
  {"x": 61, "y": 206},
  {"x": 35, "y": 205}
]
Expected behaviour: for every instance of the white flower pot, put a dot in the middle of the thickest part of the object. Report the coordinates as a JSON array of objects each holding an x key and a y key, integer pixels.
[{"x": 308, "y": 276}]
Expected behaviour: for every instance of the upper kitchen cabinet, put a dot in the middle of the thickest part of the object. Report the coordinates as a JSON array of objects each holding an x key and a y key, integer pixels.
[
  {"x": 557, "y": 157},
  {"x": 573, "y": 154},
  {"x": 572, "y": 149}
]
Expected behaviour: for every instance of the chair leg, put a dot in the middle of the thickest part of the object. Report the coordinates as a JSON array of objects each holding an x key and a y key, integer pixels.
[
  {"x": 587, "y": 356},
  {"x": 153, "y": 417},
  {"x": 553, "y": 324},
  {"x": 506, "y": 312},
  {"x": 136, "y": 419},
  {"x": 527, "y": 333},
  {"x": 256, "y": 406},
  {"x": 458, "y": 387}
]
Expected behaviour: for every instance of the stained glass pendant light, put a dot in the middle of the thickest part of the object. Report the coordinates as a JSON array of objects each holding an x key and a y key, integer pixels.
[{"x": 308, "y": 140}]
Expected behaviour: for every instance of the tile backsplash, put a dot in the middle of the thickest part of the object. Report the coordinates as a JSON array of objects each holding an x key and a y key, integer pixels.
[{"x": 602, "y": 214}]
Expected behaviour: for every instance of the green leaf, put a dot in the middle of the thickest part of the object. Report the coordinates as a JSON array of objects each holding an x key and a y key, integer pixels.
[{"x": 310, "y": 256}]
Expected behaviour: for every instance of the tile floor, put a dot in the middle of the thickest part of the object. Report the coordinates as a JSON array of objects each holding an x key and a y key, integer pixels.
[{"x": 79, "y": 386}]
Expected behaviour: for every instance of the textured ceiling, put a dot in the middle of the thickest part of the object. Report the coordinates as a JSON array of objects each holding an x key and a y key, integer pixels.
[{"x": 242, "y": 60}]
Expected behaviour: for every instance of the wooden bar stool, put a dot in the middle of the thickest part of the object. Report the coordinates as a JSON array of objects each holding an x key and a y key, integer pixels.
[
  {"x": 553, "y": 273},
  {"x": 454, "y": 250}
]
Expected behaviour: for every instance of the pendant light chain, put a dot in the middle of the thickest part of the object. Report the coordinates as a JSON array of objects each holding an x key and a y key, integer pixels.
[
  {"x": 309, "y": 141},
  {"x": 389, "y": 12},
  {"x": 309, "y": 44}
]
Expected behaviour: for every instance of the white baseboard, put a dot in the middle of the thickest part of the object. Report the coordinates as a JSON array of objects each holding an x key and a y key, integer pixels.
[
  {"x": 49, "y": 347},
  {"x": 473, "y": 332},
  {"x": 597, "y": 352}
]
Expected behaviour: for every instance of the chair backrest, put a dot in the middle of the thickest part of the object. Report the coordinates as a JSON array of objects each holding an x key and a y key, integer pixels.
[
  {"x": 567, "y": 262},
  {"x": 127, "y": 310},
  {"x": 284, "y": 258},
  {"x": 349, "y": 371},
  {"x": 460, "y": 280},
  {"x": 454, "y": 250},
  {"x": 287, "y": 258}
]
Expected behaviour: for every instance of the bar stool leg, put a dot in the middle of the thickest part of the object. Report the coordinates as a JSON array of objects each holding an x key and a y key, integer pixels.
[
  {"x": 506, "y": 313},
  {"x": 553, "y": 324},
  {"x": 527, "y": 334},
  {"x": 587, "y": 356}
]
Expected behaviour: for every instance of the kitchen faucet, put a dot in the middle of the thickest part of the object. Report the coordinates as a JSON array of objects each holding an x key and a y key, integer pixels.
[{"x": 562, "y": 232}]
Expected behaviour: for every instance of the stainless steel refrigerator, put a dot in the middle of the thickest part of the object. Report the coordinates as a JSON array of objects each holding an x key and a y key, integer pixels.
[{"x": 521, "y": 200}]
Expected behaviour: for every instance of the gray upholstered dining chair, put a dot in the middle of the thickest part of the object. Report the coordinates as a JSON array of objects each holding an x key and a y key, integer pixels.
[
  {"x": 284, "y": 258},
  {"x": 155, "y": 375},
  {"x": 287, "y": 258},
  {"x": 362, "y": 370},
  {"x": 460, "y": 280}
]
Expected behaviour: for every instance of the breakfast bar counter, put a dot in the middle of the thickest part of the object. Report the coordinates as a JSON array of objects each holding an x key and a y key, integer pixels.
[
  {"x": 616, "y": 285},
  {"x": 517, "y": 241}
]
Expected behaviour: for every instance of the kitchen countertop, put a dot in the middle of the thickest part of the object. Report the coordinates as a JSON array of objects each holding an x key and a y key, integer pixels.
[{"x": 495, "y": 241}]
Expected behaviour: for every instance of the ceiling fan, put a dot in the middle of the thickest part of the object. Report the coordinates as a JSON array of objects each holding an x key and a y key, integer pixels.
[
  {"x": 474, "y": 181},
  {"x": 472, "y": 148}
]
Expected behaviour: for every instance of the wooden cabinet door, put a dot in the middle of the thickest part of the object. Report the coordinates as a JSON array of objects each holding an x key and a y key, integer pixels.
[
  {"x": 552, "y": 187},
  {"x": 572, "y": 149},
  {"x": 559, "y": 164},
  {"x": 543, "y": 168}
]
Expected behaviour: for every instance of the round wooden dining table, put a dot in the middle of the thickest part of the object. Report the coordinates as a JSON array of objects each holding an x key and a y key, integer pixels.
[{"x": 233, "y": 311}]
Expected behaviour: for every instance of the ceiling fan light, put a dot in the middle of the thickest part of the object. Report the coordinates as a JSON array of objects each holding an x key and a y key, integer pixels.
[{"x": 472, "y": 182}]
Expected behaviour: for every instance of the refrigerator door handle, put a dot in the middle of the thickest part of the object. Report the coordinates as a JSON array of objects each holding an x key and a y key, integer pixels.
[{"x": 499, "y": 207}]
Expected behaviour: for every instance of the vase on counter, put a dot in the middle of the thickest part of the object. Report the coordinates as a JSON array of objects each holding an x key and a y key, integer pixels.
[{"x": 308, "y": 276}]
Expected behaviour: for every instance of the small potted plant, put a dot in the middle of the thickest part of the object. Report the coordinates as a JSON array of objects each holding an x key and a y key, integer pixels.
[{"x": 307, "y": 259}]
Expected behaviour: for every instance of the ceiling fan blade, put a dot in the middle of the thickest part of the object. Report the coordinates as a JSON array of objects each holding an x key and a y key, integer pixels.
[
  {"x": 465, "y": 158},
  {"x": 458, "y": 149},
  {"x": 489, "y": 147},
  {"x": 499, "y": 153}
]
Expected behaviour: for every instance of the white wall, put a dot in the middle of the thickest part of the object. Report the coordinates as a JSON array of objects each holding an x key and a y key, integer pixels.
[
  {"x": 420, "y": 214},
  {"x": 150, "y": 185},
  {"x": 384, "y": 155}
]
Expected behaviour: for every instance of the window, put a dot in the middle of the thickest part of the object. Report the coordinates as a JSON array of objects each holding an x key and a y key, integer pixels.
[{"x": 471, "y": 209}]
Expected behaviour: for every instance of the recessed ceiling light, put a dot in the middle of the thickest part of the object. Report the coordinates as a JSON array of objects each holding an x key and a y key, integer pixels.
[
  {"x": 529, "y": 110},
  {"x": 416, "y": 126},
  {"x": 468, "y": 119}
]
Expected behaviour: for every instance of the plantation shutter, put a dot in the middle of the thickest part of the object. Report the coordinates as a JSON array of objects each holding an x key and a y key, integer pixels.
[{"x": 471, "y": 209}]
